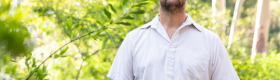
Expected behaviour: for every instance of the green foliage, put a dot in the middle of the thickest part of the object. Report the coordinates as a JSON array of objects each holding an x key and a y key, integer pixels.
[
  {"x": 100, "y": 25},
  {"x": 265, "y": 68},
  {"x": 13, "y": 36},
  {"x": 12, "y": 32}
]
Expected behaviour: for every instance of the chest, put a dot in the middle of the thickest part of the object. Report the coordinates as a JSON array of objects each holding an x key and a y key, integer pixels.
[
  {"x": 183, "y": 56},
  {"x": 153, "y": 51}
]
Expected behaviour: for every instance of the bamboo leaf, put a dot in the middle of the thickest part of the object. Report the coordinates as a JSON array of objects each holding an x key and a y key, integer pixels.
[
  {"x": 107, "y": 13},
  {"x": 56, "y": 56},
  {"x": 69, "y": 24},
  {"x": 123, "y": 23},
  {"x": 140, "y": 4},
  {"x": 104, "y": 43},
  {"x": 33, "y": 62},
  {"x": 44, "y": 68},
  {"x": 27, "y": 64},
  {"x": 137, "y": 12},
  {"x": 112, "y": 8},
  {"x": 63, "y": 51},
  {"x": 127, "y": 17}
]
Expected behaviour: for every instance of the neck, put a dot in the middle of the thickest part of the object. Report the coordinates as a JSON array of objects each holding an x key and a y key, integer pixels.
[{"x": 172, "y": 19}]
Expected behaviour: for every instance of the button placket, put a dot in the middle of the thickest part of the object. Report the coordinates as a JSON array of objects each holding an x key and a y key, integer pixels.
[{"x": 170, "y": 58}]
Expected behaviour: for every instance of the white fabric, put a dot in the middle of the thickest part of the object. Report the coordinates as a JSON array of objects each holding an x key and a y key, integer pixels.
[{"x": 193, "y": 53}]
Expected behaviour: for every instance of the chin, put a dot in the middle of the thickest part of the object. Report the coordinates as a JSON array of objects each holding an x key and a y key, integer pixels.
[
  {"x": 172, "y": 5},
  {"x": 172, "y": 1}
]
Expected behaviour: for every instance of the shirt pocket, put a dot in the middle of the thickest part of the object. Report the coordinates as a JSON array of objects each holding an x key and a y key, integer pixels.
[{"x": 194, "y": 64}]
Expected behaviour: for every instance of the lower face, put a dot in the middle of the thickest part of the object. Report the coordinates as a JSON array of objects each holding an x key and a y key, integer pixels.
[
  {"x": 173, "y": 1},
  {"x": 172, "y": 4}
]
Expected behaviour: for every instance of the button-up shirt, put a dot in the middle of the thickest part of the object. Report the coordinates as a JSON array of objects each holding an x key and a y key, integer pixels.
[{"x": 193, "y": 52}]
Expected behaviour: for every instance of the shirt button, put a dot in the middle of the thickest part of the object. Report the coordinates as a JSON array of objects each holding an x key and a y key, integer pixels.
[{"x": 169, "y": 63}]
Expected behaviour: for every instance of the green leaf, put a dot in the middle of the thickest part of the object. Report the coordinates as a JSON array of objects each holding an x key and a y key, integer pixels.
[
  {"x": 124, "y": 3},
  {"x": 111, "y": 37},
  {"x": 67, "y": 33},
  {"x": 123, "y": 23},
  {"x": 42, "y": 76},
  {"x": 12, "y": 60},
  {"x": 140, "y": 4},
  {"x": 68, "y": 28},
  {"x": 26, "y": 62},
  {"x": 27, "y": 65},
  {"x": 33, "y": 62},
  {"x": 138, "y": 12},
  {"x": 69, "y": 24},
  {"x": 44, "y": 68},
  {"x": 107, "y": 13},
  {"x": 56, "y": 56},
  {"x": 112, "y": 8},
  {"x": 85, "y": 54},
  {"x": 34, "y": 70},
  {"x": 63, "y": 51},
  {"x": 104, "y": 43},
  {"x": 14, "y": 69},
  {"x": 63, "y": 56},
  {"x": 127, "y": 17},
  {"x": 99, "y": 23}
]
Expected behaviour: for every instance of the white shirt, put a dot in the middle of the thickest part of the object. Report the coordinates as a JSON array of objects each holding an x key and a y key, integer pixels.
[{"x": 193, "y": 52}]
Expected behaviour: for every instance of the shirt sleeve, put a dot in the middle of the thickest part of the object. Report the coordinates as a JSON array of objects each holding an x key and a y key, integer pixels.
[
  {"x": 222, "y": 68},
  {"x": 121, "y": 68}
]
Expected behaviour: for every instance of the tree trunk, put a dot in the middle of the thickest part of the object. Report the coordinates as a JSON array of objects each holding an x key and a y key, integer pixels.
[
  {"x": 236, "y": 16},
  {"x": 261, "y": 28}
]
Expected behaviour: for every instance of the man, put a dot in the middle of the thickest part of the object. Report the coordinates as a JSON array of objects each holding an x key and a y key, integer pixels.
[{"x": 172, "y": 47}]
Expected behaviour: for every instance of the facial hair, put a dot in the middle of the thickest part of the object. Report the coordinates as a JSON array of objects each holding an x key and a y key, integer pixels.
[{"x": 174, "y": 6}]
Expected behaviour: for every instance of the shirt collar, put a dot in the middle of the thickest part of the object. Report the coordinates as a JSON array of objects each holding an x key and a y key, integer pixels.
[{"x": 189, "y": 21}]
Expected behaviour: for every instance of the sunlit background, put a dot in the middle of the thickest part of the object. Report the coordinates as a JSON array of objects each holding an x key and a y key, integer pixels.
[{"x": 78, "y": 39}]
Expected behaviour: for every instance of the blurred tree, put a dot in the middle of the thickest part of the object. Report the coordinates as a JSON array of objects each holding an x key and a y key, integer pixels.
[
  {"x": 261, "y": 28},
  {"x": 236, "y": 16}
]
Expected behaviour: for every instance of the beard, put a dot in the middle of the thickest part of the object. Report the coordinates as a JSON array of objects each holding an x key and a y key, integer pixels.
[{"x": 172, "y": 5}]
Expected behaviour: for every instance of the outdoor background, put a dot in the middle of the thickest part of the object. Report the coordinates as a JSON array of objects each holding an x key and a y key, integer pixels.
[{"x": 78, "y": 39}]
